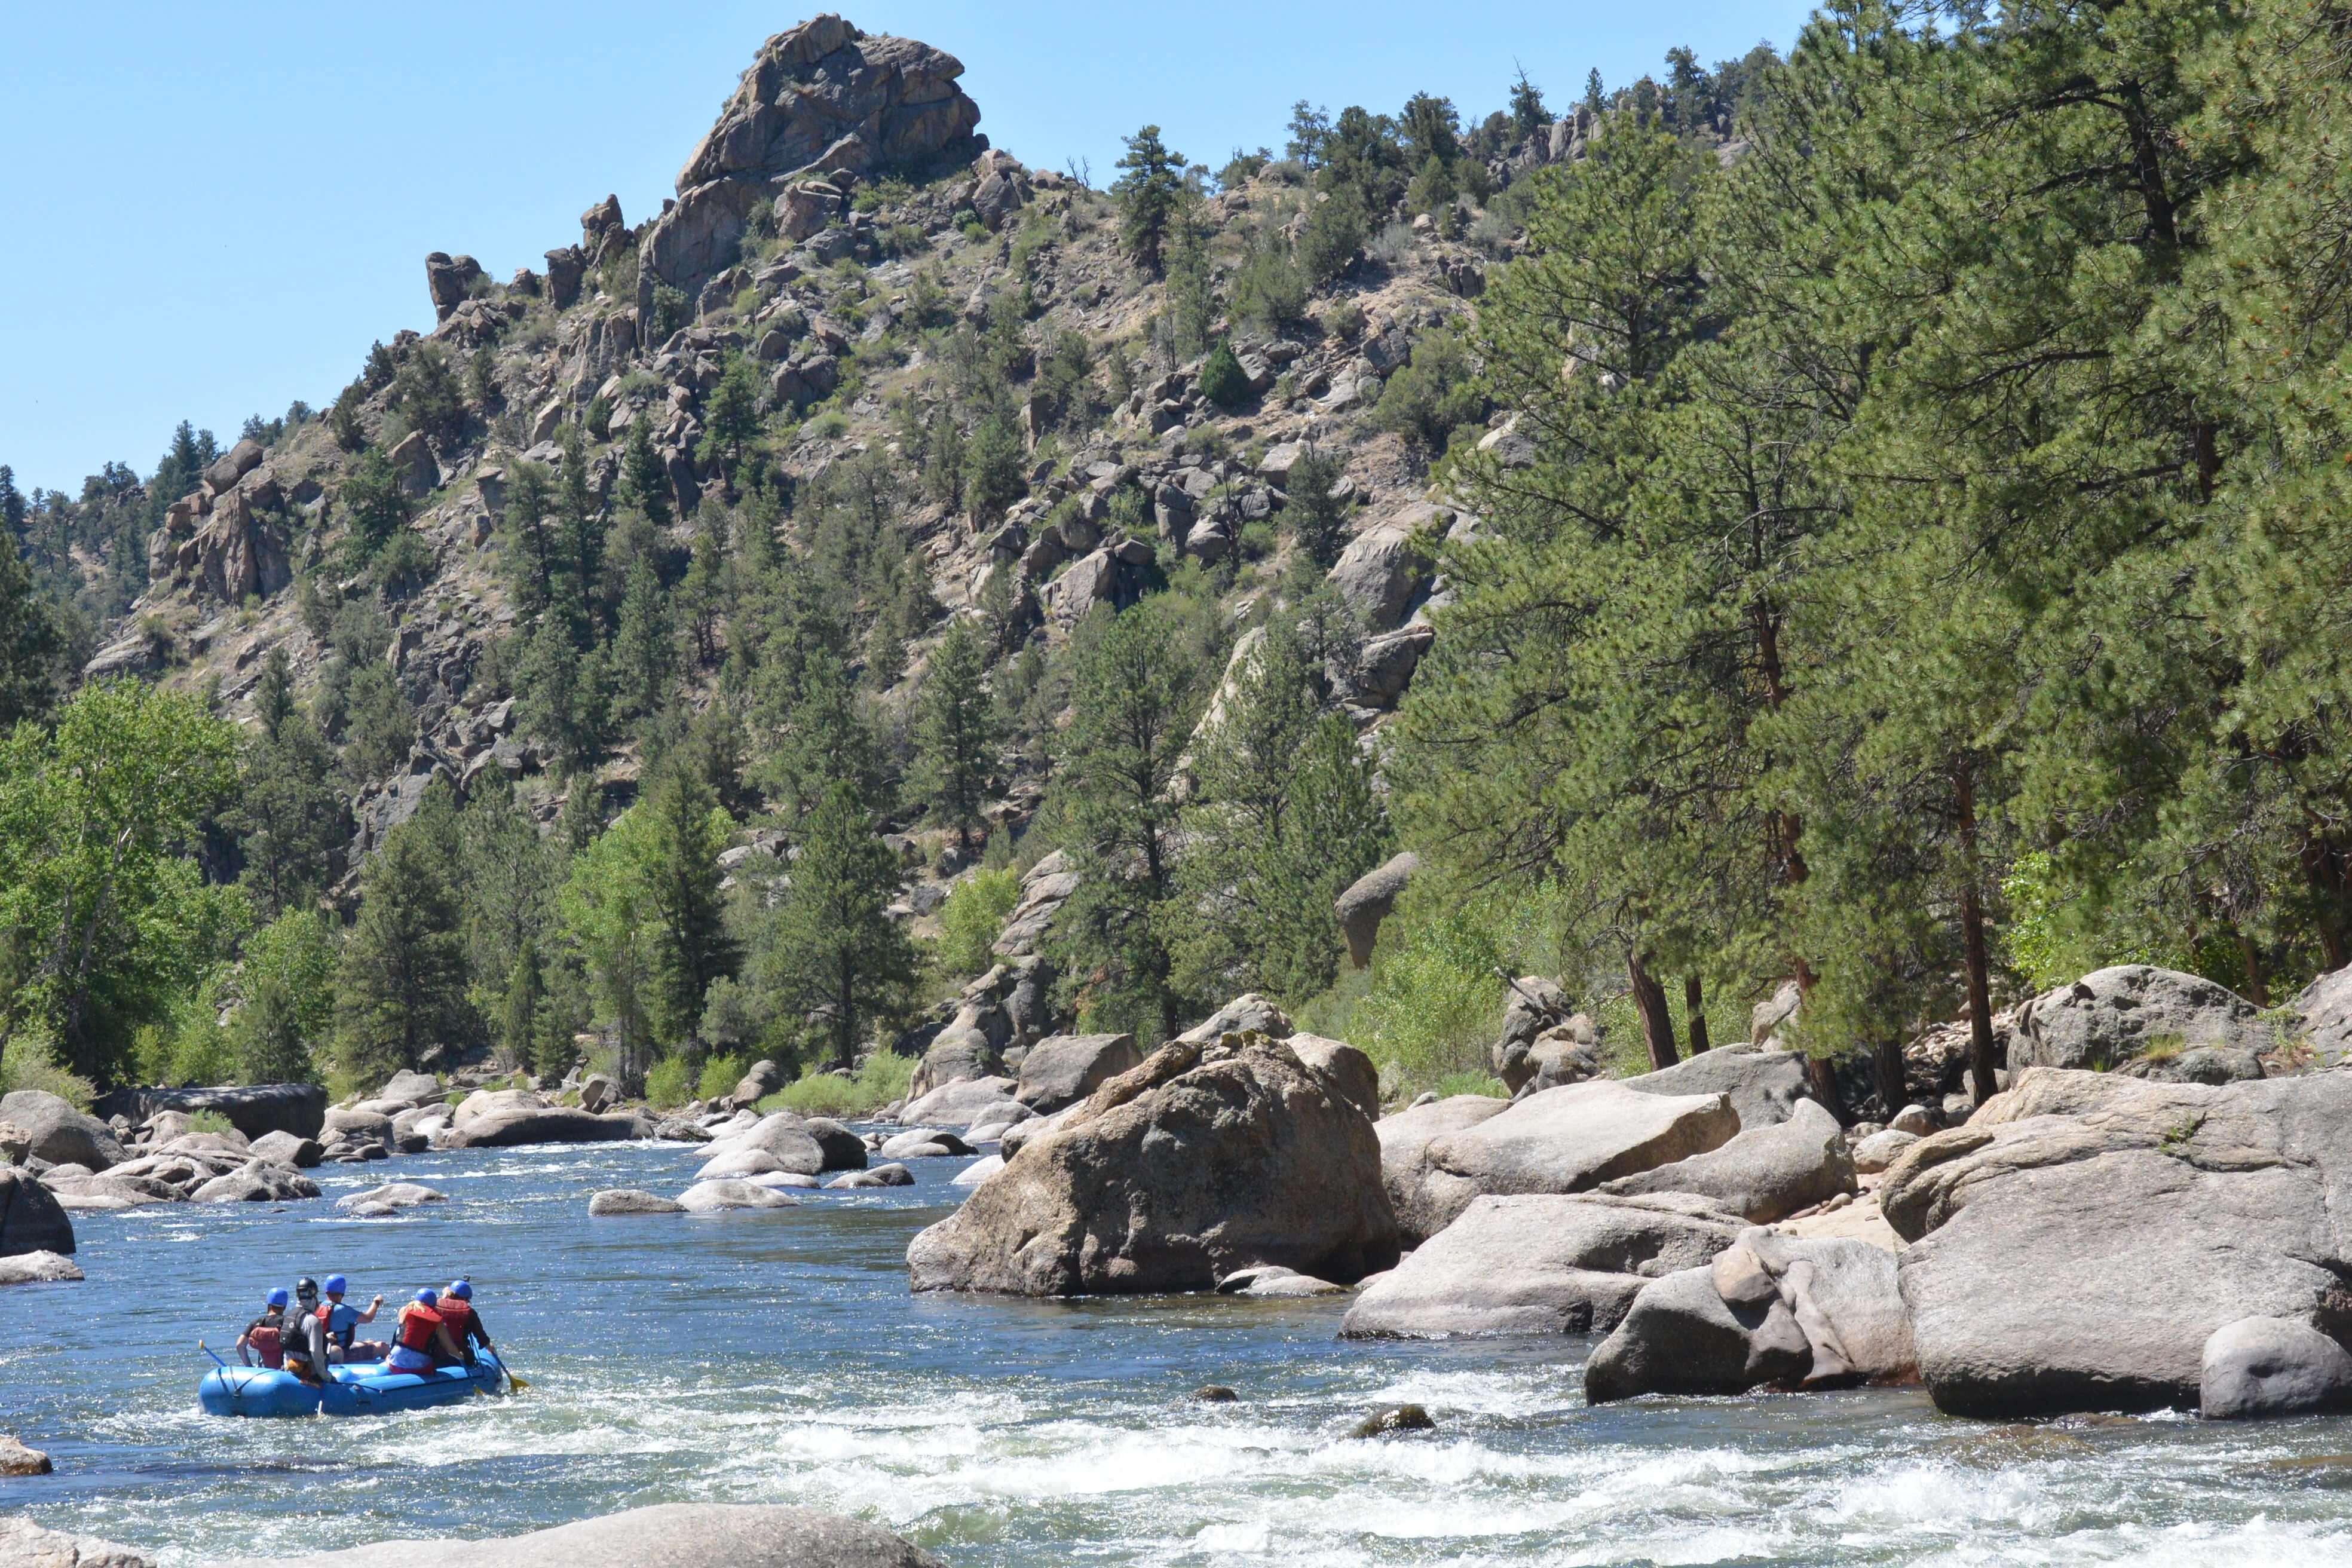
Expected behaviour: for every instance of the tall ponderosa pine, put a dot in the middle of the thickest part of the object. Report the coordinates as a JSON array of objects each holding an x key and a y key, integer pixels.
[
  {"x": 830, "y": 957},
  {"x": 1150, "y": 191},
  {"x": 954, "y": 731}
]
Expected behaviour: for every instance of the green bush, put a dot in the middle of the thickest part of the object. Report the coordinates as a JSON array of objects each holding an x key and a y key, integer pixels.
[
  {"x": 27, "y": 1063},
  {"x": 972, "y": 917},
  {"x": 1435, "y": 1003},
  {"x": 669, "y": 1083},
  {"x": 719, "y": 1077},
  {"x": 881, "y": 1079},
  {"x": 1334, "y": 234},
  {"x": 210, "y": 1121},
  {"x": 1432, "y": 395},
  {"x": 1222, "y": 381},
  {"x": 671, "y": 311}
]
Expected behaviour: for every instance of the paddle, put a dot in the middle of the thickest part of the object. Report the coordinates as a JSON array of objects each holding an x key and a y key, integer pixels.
[
  {"x": 514, "y": 1383},
  {"x": 214, "y": 1353}
]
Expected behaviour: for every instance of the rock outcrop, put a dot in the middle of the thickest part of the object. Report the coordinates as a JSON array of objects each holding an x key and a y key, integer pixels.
[
  {"x": 1405, "y": 1139},
  {"x": 507, "y": 1118},
  {"x": 1368, "y": 900},
  {"x": 667, "y": 1535},
  {"x": 54, "y": 1131},
  {"x": 1770, "y": 1309},
  {"x": 2149, "y": 1022},
  {"x": 821, "y": 99},
  {"x": 1568, "y": 1140},
  {"x": 254, "y": 1110},
  {"x": 1066, "y": 1069},
  {"x": 1539, "y": 1265},
  {"x": 1205, "y": 1160},
  {"x": 2078, "y": 1245},
  {"x": 1764, "y": 1174}
]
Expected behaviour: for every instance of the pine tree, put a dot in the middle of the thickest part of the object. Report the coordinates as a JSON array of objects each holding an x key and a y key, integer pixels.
[
  {"x": 730, "y": 413},
  {"x": 644, "y": 481},
  {"x": 1149, "y": 190},
  {"x": 645, "y": 647},
  {"x": 831, "y": 954},
  {"x": 400, "y": 988},
  {"x": 30, "y": 642},
  {"x": 954, "y": 733}
]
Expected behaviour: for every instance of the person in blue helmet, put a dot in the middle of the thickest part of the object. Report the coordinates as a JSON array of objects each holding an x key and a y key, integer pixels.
[
  {"x": 423, "y": 1341},
  {"x": 265, "y": 1336},
  {"x": 465, "y": 1324},
  {"x": 343, "y": 1323}
]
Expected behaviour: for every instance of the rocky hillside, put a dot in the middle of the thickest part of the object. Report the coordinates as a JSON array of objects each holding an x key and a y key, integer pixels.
[{"x": 836, "y": 228}]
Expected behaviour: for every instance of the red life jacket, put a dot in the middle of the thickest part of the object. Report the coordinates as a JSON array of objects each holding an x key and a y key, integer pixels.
[
  {"x": 268, "y": 1344},
  {"x": 417, "y": 1322},
  {"x": 458, "y": 1313}
]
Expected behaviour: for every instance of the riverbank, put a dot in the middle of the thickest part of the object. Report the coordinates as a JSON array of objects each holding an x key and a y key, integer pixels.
[{"x": 778, "y": 1357}]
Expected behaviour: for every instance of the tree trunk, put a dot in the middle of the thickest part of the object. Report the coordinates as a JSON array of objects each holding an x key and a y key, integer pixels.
[
  {"x": 2258, "y": 985},
  {"x": 1650, "y": 1002},
  {"x": 1821, "y": 1073},
  {"x": 1694, "y": 1013},
  {"x": 1887, "y": 1064},
  {"x": 1972, "y": 942}
]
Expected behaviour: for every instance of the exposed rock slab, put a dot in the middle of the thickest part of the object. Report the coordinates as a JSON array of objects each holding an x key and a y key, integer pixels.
[
  {"x": 1405, "y": 1138},
  {"x": 1765, "y": 1172},
  {"x": 668, "y": 1535},
  {"x": 1539, "y": 1265}
]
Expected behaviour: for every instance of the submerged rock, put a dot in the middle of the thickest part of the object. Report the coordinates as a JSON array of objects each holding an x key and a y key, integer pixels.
[
  {"x": 668, "y": 1535},
  {"x": 632, "y": 1201},
  {"x": 389, "y": 1198},
  {"x": 1395, "y": 1418},
  {"x": 1205, "y": 1159}
]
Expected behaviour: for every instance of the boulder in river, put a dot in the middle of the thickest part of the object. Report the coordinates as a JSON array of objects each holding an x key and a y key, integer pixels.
[
  {"x": 24, "y": 1543},
  {"x": 288, "y": 1148},
  {"x": 257, "y": 1182},
  {"x": 711, "y": 1197},
  {"x": 795, "y": 1142},
  {"x": 15, "y": 1459},
  {"x": 1567, "y": 1140},
  {"x": 891, "y": 1176},
  {"x": 30, "y": 1217},
  {"x": 1405, "y": 1138},
  {"x": 1770, "y": 1309},
  {"x": 921, "y": 1143},
  {"x": 632, "y": 1201},
  {"x": 2078, "y": 1242},
  {"x": 36, "y": 1268},
  {"x": 666, "y": 1535},
  {"x": 1205, "y": 1159},
  {"x": 390, "y": 1197},
  {"x": 2273, "y": 1366},
  {"x": 961, "y": 1102},
  {"x": 505, "y": 1119},
  {"x": 54, "y": 1131},
  {"x": 1765, "y": 1087},
  {"x": 979, "y": 1171},
  {"x": 1540, "y": 1264}
]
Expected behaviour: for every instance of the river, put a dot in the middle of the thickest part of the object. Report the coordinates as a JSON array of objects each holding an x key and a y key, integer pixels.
[{"x": 777, "y": 1356}]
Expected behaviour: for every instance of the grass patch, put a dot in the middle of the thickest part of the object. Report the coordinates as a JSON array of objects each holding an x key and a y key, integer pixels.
[{"x": 881, "y": 1079}]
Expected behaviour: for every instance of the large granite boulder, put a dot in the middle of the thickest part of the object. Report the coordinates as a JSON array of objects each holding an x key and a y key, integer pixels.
[
  {"x": 254, "y": 1110},
  {"x": 960, "y": 1103},
  {"x": 1205, "y": 1160},
  {"x": 714, "y": 1197},
  {"x": 1368, "y": 900},
  {"x": 1765, "y": 1174},
  {"x": 257, "y": 1182},
  {"x": 2149, "y": 1022},
  {"x": 2324, "y": 1009},
  {"x": 510, "y": 1118},
  {"x": 667, "y": 1535},
  {"x": 804, "y": 1144},
  {"x": 1572, "y": 1139},
  {"x": 1763, "y": 1086},
  {"x": 1405, "y": 1138},
  {"x": 1770, "y": 1309},
  {"x": 30, "y": 1217},
  {"x": 956, "y": 1056},
  {"x": 24, "y": 1544},
  {"x": 1344, "y": 1065},
  {"x": 2273, "y": 1366},
  {"x": 1063, "y": 1070},
  {"x": 2078, "y": 1242},
  {"x": 1539, "y": 1265},
  {"x": 54, "y": 1131},
  {"x": 820, "y": 97}
]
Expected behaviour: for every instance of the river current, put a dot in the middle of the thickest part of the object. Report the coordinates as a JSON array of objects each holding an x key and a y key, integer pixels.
[{"x": 777, "y": 1356}]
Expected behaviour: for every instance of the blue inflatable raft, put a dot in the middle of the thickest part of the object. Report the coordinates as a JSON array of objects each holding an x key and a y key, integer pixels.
[{"x": 368, "y": 1388}]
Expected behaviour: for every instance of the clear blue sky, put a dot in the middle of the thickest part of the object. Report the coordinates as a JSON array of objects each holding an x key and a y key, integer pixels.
[{"x": 212, "y": 210}]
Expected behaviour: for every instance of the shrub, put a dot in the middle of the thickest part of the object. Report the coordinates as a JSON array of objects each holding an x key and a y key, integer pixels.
[
  {"x": 972, "y": 917},
  {"x": 1392, "y": 246},
  {"x": 27, "y": 1062},
  {"x": 1270, "y": 285},
  {"x": 719, "y": 1077},
  {"x": 1344, "y": 320},
  {"x": 1222, "y": 381},
  {"x": 669, "y": 1083},
  {"x": 210, "y": 1121},
  {"x": 1334, "y": 233},
  {"x": 1433, "y": 394},
  {"x": 882, "y": 1079},
  {"x": 671, "y": 311}
]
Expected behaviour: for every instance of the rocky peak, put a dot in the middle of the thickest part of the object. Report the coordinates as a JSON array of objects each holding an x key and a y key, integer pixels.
[{"x": 823, "y": 99}]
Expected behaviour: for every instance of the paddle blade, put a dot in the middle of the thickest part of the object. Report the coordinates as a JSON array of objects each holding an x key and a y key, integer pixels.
[{"x": 516, "y": 1384}]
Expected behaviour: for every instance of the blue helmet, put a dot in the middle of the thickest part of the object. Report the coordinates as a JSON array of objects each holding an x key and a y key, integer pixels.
[
  {"x": 336, "y": 1285},
  {"x": 461, "y": 1288},
  {"x": 278, "y": 1296},
  {"x": 426, "y": 1298}
]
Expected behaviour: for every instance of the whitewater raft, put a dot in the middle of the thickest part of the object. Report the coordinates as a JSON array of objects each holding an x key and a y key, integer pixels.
[{"x": 366, "y": 1388}]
